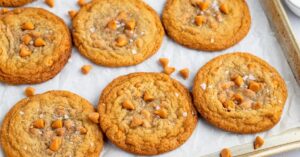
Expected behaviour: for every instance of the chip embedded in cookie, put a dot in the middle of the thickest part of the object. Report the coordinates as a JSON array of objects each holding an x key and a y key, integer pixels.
[
  {"x": 209, "y": 25},
  {"x": 35, "y": 46},
  {"x": 55, "y": 123},
  {"x": 116, "y": 32},
  {"x": 240, "y": 93},
  {"x": 147, "y": 113},
  {"x": 14, "y": 3}
]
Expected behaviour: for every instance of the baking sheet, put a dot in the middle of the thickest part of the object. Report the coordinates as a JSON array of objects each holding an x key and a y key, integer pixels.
[{"x": 206, "y": 139}]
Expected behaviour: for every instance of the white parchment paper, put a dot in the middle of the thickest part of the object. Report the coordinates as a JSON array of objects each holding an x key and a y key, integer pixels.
[{"x": 205, "y": 139}]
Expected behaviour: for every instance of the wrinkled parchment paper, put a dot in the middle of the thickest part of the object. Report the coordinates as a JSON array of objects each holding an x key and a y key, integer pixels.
[{"x": 206, "y": 138}]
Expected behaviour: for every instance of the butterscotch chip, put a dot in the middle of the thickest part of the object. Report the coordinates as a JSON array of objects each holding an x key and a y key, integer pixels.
[
  {"x": 50, "y": 3},
  {"x": 39, "y": 42},
  {"x": 164, "y": 62},
  {"x": 128, "y": 105},
  {"x": 29, "y": 91},
  {"x": 24, "y": 52},
  {"x": 258, "y": 142},
  {"x": 112, "y": 24},
  {"x": 133, "y": 32},
  {"x": 136, "y": 122},
  {"x": 225, "y": 153},
  {"x": 81, "y": 2},
  {"x": 26, "y": 39},
  {"x": 238, "y": 80},
  {"x": 28, "y": 26},
  {"x": 162, "y": 113},
  {"x": 254, "y": 86},
  {"x": 72, "y": 13},
  {"x": 203, "y": 5},
  {"x": 121, "y": 41},
  {"x": 57, "y": 124},
  {"x": 37, "y": 64},
  {"x": 130, "y": 25},
  {"x": 35, "y": 34},
  {"x": 199, "y": 20},
  {"x": 49, "y": 137},
  {"x": 185, "y": 73},
  {"x": 40, "y": 124},
  {"x": 143, "y": 123},
  {"x": 4, "y": 10},
  {"x": 148, "y": 96},
  {"x": 94, "y": 117},
  {"x": 55, "y": 144},
  {"x": 60, "y": 131},
  {"x": 237, "y": 109},
  {"x": 224, "y": 8},
  {"x": 86, "y": 69},
  {"x": 169, "y": 70}
]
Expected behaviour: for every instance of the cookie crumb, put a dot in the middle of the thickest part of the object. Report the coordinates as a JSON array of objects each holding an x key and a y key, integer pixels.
[
  {"x": 86, "y": 69},
  {"x": 259, "y": 142},
  {"x": 169, "y": 70},
  {"x": 29, "y": 91},
  {"x": 225, "y": 153},
  {"x": 164, "y": 62},
  {"x": 50, "y": 3},
  {"x": 185, "y": 73}
]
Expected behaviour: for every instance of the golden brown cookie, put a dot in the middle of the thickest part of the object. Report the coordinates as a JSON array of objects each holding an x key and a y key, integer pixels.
[
  {"x": 208, "y": 25},
  {"x": 147, "y": 113},
  {"x": 14, "y": 3},
  {"x": 117, "y": 32},
  {"x": 35, "y": 46},
  {"x": 55, "y": 123},
  {"x": 240, "y": 93}
]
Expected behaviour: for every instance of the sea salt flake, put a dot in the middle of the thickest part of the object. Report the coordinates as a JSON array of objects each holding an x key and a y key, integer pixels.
[
  {"x": 21, "y": 113},
  {"x": 184, "y": 114},
  {"x": 203, "y": 86},
  {"x": 134, "y": 51},
  {"x": 66, "y": 117},
  {"x": 93, "y": 29},
  {"x": 41, "y": 115},
  {"x": 251, "y": 77},
  {"x": 157, "y": 107},
  {"x": 212, "y": 40},
  {"x": 245, "y": 77},
  {"x": 176, "y": 94}
]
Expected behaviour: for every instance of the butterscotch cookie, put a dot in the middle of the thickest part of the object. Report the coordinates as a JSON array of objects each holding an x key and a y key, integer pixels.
[
  {"x": 147, "y": 113},
  {"x": 117, "y": 32},
  {"x": 55, "y": 123},
  {"x": 239, "y": 92},
  {"x": 208, "y": 25},
  {"x": 14, "y": 3},
  {"x": 35, "y": 46}
]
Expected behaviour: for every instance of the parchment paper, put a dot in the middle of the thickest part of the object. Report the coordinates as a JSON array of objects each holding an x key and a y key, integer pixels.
[{"x": 205, "y": 139}]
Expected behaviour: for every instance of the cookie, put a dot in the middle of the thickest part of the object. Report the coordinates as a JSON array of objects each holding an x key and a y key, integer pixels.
[
  {"x": 240, "y": 93},
  {"x": 116, "y": 32},
  {"x": 35, "y": 46},
  {"x": 209, "y": 25},
  {"x": 55, "y": 123},
  {"x": 14, "y": 3},
  {"x": 147, "y": 113}
]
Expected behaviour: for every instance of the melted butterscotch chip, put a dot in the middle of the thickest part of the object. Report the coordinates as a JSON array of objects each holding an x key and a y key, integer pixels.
[
  {"x": 40, "y": 123},
  {"x": 55, "y": 144},
  {"x": 148, "y": 96},
  {"x": 136, "y": 122},
  {"x": 127, "y": 104}
]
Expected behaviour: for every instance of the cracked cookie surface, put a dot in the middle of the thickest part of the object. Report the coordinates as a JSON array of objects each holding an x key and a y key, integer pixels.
[
  {"x": 14, "y": 3},
  {"x": 55, "y": 123},
  {"x": 147, "y": 113},
  {"x": 209, "y": 25},
  {"x": 117, "y": 32},
  {"x": 239, "y": 92},
  {"x": 35, "y": 46}
]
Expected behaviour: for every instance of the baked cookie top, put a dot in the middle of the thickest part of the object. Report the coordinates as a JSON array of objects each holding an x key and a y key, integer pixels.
[
  {"x": 239, "y": 92},
  {"x": 14, "y": 3},
  {"x": 208, "y": 25},
  {"x": 147, "y": 113},
  {"x": 35, "y": 45},
  {"x": 117, "y": 32},
  {"x": 55, "y": 123}
]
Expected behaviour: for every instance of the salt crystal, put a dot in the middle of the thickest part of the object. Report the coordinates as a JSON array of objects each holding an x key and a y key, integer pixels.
[
  {"x": 251, "y": 77},
  {"x": 212, "y": 40},
  {"x": 66, "y": 117},
  {"x": 133, "y": 51},
  {"x": 70, "y": 60},
  {"x": 142, "y": 33},
  {"x": 157, "y": 107},
  {"x": 41, "y": 115},
  {"x": 21, "y": 113},
  {"x": 176, "y": 94},
  {"x": 184, "y": 114},
  {"x": 203, "y": 86},
  {"x": 93, "y": 29},
  {"x": 245, "y": 77}
]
